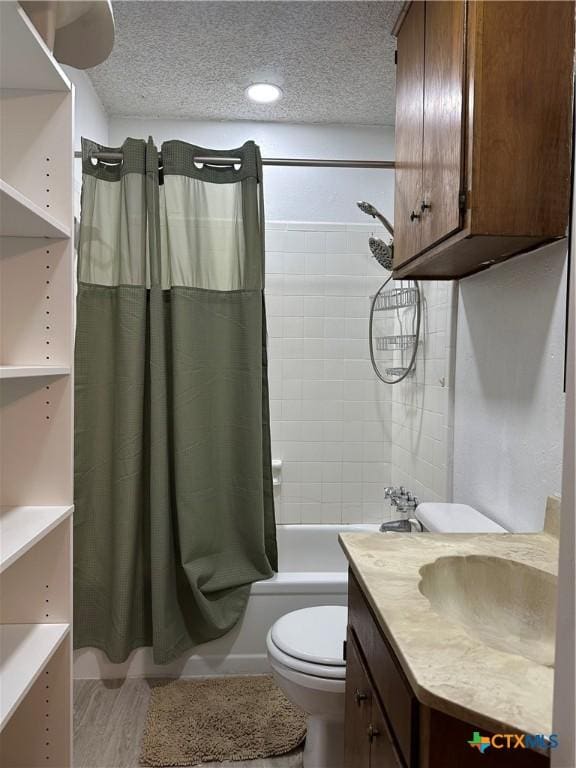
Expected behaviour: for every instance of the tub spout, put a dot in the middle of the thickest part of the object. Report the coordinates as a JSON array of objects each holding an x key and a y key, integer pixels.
[{"x": 404, "y": 525}]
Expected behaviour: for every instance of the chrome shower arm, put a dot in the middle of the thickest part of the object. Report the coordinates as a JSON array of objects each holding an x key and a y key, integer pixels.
[{"x": 384, "y": 221}]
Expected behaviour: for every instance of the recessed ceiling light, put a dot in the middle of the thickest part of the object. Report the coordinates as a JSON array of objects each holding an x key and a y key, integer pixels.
[{"x": 263, "y": 93}]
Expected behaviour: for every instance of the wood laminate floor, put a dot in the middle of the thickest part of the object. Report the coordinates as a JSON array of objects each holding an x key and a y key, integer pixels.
[{"x": 109, "y": 720}]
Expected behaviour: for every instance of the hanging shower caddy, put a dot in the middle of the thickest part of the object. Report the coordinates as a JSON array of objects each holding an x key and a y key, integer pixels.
[{"x": 399, "y": 300}]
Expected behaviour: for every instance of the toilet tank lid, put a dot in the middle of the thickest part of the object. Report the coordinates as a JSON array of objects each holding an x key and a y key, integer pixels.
[{"x": 455, "y": 518}]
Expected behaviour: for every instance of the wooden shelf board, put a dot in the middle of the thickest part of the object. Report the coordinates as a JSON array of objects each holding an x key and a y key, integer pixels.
[
  {"x": 25, "y": 61},
  {"x": 30, "y": 371},
  {"x": 24, "y": 651},
  {"x": 23, "y": 527},
  {"x": 20, "y": 217}
]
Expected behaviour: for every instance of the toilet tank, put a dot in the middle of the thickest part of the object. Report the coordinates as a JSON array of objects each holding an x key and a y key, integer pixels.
[{"x": 455, "y": 518}]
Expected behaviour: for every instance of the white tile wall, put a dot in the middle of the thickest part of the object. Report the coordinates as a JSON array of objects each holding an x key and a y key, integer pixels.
[
  {"x": 422, "y": 407},
  {"x": 331, "y": 419},
  {"x": 343, "y": 435}
]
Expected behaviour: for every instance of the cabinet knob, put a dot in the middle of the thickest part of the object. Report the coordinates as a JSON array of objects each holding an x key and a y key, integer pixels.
[
  {"x": 372, "y": 733},
  {"x": 424, "y": 206},
  {"x": 360, "y": 696},
  {"x": 414, "y": 216}
]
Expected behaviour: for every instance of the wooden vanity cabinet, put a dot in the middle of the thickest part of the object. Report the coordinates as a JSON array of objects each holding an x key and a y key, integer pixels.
[
  {"x": 385, "y": 724},
  {"x": 368, "y": 740},
  {"x": 359, "y": 700},
  {"x": 483, "y": 132},
  {"x": 381, "y": 729}
]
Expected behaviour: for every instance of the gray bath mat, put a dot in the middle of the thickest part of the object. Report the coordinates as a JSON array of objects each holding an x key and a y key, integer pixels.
[{"x": 218, "y": 719}]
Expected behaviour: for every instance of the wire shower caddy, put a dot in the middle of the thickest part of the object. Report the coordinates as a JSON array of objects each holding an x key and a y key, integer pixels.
[{"x": 400, "y": 298}]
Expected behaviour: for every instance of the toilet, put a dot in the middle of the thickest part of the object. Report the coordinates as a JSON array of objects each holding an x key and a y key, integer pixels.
[
  {"x": 306, "y": 653},
  {"x": 305, "y": 648}
]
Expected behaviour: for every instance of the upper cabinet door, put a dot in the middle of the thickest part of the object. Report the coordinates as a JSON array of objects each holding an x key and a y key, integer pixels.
[
  {"x": 409, "y": 131},
  {"x": 443, "y": 120}
]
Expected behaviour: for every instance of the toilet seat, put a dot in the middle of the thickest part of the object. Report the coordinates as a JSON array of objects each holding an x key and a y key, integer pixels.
[{"x": 310, "y": 641}]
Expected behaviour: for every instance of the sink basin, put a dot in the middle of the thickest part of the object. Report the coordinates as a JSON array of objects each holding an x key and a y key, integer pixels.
[{"x": 505, "y": 604}]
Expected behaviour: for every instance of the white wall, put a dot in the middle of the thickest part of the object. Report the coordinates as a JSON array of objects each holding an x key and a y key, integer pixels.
[
  {"x": 90, "y": 116},
  {"x": 565, "y": 664},
  {"x": 90, "y": 120},
  {"x": 509, "y": 403},
  {"x": 293, "y": 194}
]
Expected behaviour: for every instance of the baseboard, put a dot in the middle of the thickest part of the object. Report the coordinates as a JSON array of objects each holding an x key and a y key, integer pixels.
[{"x": 91, "y": 664}]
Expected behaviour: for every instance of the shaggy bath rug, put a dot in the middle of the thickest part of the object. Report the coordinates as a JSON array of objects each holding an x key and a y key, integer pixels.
[{"x": 218, "y": 719}]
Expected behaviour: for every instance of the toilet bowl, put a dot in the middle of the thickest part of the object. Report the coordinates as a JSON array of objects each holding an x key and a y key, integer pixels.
[{"x": 305, "y": 651}]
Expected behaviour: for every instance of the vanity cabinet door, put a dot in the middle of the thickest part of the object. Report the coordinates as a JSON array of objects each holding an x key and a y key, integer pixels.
[
  {"x": 358, "y": 709},
  {"x": 382, "y": 752}
]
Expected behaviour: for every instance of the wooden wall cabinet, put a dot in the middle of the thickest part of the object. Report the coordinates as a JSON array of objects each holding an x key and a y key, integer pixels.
[
  {"x": 385, "y": 724},
  {"x": 483, "y": 132}
]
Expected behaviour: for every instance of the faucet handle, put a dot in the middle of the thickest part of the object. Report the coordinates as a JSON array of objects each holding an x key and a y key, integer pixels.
[{"x": 389, "y": 492}]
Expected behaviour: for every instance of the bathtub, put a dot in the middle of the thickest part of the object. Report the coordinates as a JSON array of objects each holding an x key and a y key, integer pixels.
[{"x": 312, "y": 570}]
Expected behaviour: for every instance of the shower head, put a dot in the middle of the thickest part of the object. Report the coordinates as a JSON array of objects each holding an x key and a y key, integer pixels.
[
  {"x": 367, "y": 208},
  {"x": 370, "y": 210},
  {"x": 382, "y": 252}
]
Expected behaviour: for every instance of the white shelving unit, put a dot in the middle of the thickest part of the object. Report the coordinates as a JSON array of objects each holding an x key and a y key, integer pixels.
[
  {"x": 28, "y": 371},
  {"x": 25, "y": 649},
  {"x": 20, "y": 217},
  {"x": 22, "y": 527},
  {"x": 36, "y": 398},
  {"x": 25, "y": 61}
]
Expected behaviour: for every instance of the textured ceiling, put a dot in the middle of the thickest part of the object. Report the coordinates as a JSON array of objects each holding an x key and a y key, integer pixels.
[{"x": 333, "y": 60}]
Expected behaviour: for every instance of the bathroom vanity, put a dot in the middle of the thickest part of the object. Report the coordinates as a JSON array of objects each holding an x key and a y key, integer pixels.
[{"x": 420, "y": 682}]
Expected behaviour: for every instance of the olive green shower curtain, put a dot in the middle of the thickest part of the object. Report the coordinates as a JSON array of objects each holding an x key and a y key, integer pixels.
[{"x": 174, "y": 510}]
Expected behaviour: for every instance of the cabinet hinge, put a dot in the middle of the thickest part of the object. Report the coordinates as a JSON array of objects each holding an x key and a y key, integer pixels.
[
  {"x": 395, "y": 57},
  {"x": 462, "y": 200},
  {"x": 344, "y": 650}
]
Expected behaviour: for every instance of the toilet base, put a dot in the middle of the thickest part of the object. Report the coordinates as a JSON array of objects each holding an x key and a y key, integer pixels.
[{"x": 324, "y": 747}]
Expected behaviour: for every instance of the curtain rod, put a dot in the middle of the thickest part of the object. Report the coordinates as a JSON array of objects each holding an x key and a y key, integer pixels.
[{"x": 115, "y": 157}]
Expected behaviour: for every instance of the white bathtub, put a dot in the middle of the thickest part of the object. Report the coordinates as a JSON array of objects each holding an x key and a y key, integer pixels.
[{"x": 312, "y": 570}]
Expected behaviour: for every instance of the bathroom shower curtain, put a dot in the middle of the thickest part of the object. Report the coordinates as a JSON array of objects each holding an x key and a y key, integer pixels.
[{"x": 174, "y": 513}]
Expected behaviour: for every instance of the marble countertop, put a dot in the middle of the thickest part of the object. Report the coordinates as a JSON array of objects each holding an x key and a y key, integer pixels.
[{"x": 447, "y": 667}]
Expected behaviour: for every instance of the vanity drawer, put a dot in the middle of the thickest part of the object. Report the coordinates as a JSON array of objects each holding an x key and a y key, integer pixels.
[{"x": 400, "y": 705}]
